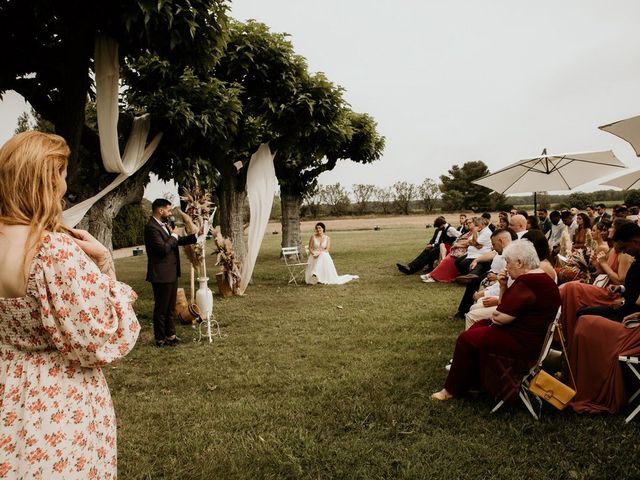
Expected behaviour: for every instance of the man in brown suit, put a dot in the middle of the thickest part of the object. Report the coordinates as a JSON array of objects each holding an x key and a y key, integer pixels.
[{"x": 163, "y": 269}]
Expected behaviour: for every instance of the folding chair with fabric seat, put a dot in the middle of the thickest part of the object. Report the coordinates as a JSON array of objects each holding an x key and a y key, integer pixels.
[
  {"x": 517, "y": 384},
  {"x": 632, "y": 363},
  {"x": 295, "y": 263}
]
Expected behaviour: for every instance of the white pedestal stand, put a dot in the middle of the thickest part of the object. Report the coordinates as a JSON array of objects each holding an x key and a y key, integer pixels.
[{"x": 204, "y": 300}]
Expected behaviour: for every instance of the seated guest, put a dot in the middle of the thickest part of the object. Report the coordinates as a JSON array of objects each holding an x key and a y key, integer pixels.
[
  {"x": 633, "y": 214},
  {"x": 533, "y": 223},
  {"x": 444, "y": 233},
  {"x": 583, "y": 299},
  {"x": 543, "y": 220},
  {"x": 446, "y": 271},
  {"x": 570, "y": 221},
  {"x": 620, "y": 211},
  {"x": 503, "y": 221},
  {"x": 518, "y": 223},
  {"x": 601, "y": 210},
  {"x": 591, "y": 213},
  {"x": 522, "y": 212},
  {"x": 491, "y": 226},
  {"x": 488, "y": 298},
  {"x": 517, "y": 328},
  {"x": 582, "y": 236},
  {"x": 469, "y": 265},
  {"x": 593, "y": 356},
  {"x": 557, "y": 229},
  {"x": 463, "y": 224}
]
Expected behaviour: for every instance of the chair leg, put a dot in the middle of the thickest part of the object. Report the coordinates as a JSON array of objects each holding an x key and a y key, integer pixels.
[
  {"x": 632, "y": 414},
  {"x": 497, "y": 407},
  {"x": 527, "y": 403}
]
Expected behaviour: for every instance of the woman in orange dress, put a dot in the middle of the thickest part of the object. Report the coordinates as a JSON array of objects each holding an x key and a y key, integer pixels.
[
  {"x": 577, "y": 295},
  {"x": 62, "y": 316}
]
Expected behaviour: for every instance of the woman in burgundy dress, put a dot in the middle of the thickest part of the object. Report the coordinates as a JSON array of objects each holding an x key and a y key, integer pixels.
[{"x": 517, "y": 328}]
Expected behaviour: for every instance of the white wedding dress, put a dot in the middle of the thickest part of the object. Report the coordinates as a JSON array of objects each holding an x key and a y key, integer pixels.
[{"x": 320, "y": 269}]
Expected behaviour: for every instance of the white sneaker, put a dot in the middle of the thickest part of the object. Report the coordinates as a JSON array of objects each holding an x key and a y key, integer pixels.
[
  {"x": 447, "y": 367},
  {"x": 424, "y": 277},
  {"x": 428, "y": 279}
]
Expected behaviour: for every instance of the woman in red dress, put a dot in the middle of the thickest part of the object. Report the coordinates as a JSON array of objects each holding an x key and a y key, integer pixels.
[{"x": 517, "y": 328}]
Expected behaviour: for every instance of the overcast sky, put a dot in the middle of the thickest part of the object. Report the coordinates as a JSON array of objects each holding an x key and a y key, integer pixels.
[{"x": 450, "y": 82}]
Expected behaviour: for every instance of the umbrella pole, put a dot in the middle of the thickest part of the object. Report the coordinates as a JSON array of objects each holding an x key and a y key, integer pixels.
[{"x": 535, "y": 203}]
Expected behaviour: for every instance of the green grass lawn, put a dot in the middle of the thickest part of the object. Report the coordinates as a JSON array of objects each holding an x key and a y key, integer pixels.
[{"x": 334, "y": 382}]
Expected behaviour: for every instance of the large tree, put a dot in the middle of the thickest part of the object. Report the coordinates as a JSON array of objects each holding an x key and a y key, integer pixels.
[
  {"x": 459, "y": 193},
  {"x": 48, "y": 59}
]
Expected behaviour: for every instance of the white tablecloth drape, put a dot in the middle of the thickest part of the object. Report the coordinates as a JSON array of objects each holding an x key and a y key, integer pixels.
[
  {"x": 136, "y": 152},
  {"x": 261, "y": 187}
]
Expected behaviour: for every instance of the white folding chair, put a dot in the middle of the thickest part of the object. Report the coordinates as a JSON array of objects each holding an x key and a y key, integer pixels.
[
  {"x": 295, "y": 263},
  {"x": 523, "y": 389},
  {"x": 632, "y": 363}
]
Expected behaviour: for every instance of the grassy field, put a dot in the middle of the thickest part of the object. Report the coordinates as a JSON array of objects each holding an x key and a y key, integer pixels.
[{"x": 333, "y": 382}]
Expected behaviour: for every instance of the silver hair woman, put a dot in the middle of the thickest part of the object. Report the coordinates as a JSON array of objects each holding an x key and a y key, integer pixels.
[{"x": 516, "y": 329}]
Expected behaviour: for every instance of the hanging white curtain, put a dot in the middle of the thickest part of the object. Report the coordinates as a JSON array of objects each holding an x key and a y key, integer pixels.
[
  {"x": 261, "y": 187},
  {"x": 136, "y": 152}
]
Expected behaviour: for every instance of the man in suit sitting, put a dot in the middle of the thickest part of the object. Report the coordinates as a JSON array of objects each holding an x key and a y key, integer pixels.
[{"x": 163, "y": 269}]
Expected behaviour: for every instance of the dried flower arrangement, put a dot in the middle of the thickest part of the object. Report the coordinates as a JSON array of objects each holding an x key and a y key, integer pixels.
[
  {"x": 198, "y": 208},
  {"x": 229, "y": 266}
]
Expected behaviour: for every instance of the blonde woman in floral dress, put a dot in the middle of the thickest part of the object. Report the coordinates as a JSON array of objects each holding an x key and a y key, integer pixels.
[{"x": 62, "y": 316}]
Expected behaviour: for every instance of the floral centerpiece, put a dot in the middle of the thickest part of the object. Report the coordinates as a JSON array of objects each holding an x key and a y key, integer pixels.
[
  {"x": 226, "y": 259},
  {"x": 198, "y": 208}
]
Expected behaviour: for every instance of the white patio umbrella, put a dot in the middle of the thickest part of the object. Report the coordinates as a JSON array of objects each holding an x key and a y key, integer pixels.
[
  {"x": 551, "y": 172},
  {"x": 625, "y": 181},
  {"x": 628, "y": 130}
]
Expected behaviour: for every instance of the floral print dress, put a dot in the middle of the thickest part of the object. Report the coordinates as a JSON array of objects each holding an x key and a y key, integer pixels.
[{"x": 56, "y": 416}]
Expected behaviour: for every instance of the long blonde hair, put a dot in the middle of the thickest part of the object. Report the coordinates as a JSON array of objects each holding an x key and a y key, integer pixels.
[{"x": 32, "y": 166}]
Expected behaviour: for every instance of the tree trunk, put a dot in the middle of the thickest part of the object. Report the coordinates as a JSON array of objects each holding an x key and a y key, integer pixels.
[
  {"x": 290, "y": 207},
  {"x": 232, "y": 199},
  {"x": 99, "y": 220}
]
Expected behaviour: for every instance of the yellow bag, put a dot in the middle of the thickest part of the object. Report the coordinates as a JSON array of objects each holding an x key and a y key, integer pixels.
[
  {"x": 551, "y": 389},
  {"x": 548, "y": 387}
]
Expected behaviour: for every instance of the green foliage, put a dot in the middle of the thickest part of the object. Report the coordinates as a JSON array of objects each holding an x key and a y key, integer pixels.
[
  {"x": 336, "y": 198},
  {"x": 632, "y": 198},
  {"x": 33, "y": 121},
  {"x": 128, "y": 226},
  {"x": 579, "y": 200},
  {"x": 403, "y": 194},
  {"x": 363, "y": 194},
  {"x": 499, "y": 202},
  {"x": 428, "y": 192},
  {"x": 467, "y": 195},
  {"x": 453, "y": 200}
]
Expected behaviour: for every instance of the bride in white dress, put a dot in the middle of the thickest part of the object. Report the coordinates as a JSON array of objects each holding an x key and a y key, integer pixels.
[{"x": 320, "y": 268}]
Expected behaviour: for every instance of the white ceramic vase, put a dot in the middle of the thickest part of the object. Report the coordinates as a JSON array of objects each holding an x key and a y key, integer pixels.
[{"x": 204, "y": 298}]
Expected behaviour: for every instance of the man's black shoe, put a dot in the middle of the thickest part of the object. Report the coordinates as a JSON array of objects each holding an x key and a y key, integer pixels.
[
  {"x": 172, "y": 342},
  {"x": 468, "y": 278},
  {"x": 403, "y": 268},
  {"x": 161, "y": 343}
]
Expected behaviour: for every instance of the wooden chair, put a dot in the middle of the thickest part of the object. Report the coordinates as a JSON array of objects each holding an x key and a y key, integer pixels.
[
  {"x": 295, "y": 263},
  {"x": 632, "y": 363}
]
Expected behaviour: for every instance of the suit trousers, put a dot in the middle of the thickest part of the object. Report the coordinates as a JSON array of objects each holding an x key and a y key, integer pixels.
[
  {"x": 426, "y": 259},
  {"x": 164, "y": 297}
]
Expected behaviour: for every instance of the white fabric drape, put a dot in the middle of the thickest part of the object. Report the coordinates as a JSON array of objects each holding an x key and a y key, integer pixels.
[
  {"x": 136, "y": 152},
  {"x": 261, "y": 187}
]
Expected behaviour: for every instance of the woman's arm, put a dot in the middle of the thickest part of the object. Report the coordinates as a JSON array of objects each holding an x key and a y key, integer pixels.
[
  {"x": 500, "y": 318},
  {"x": 312, "y": 252},
  {"x": 624, "y": 263}
]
